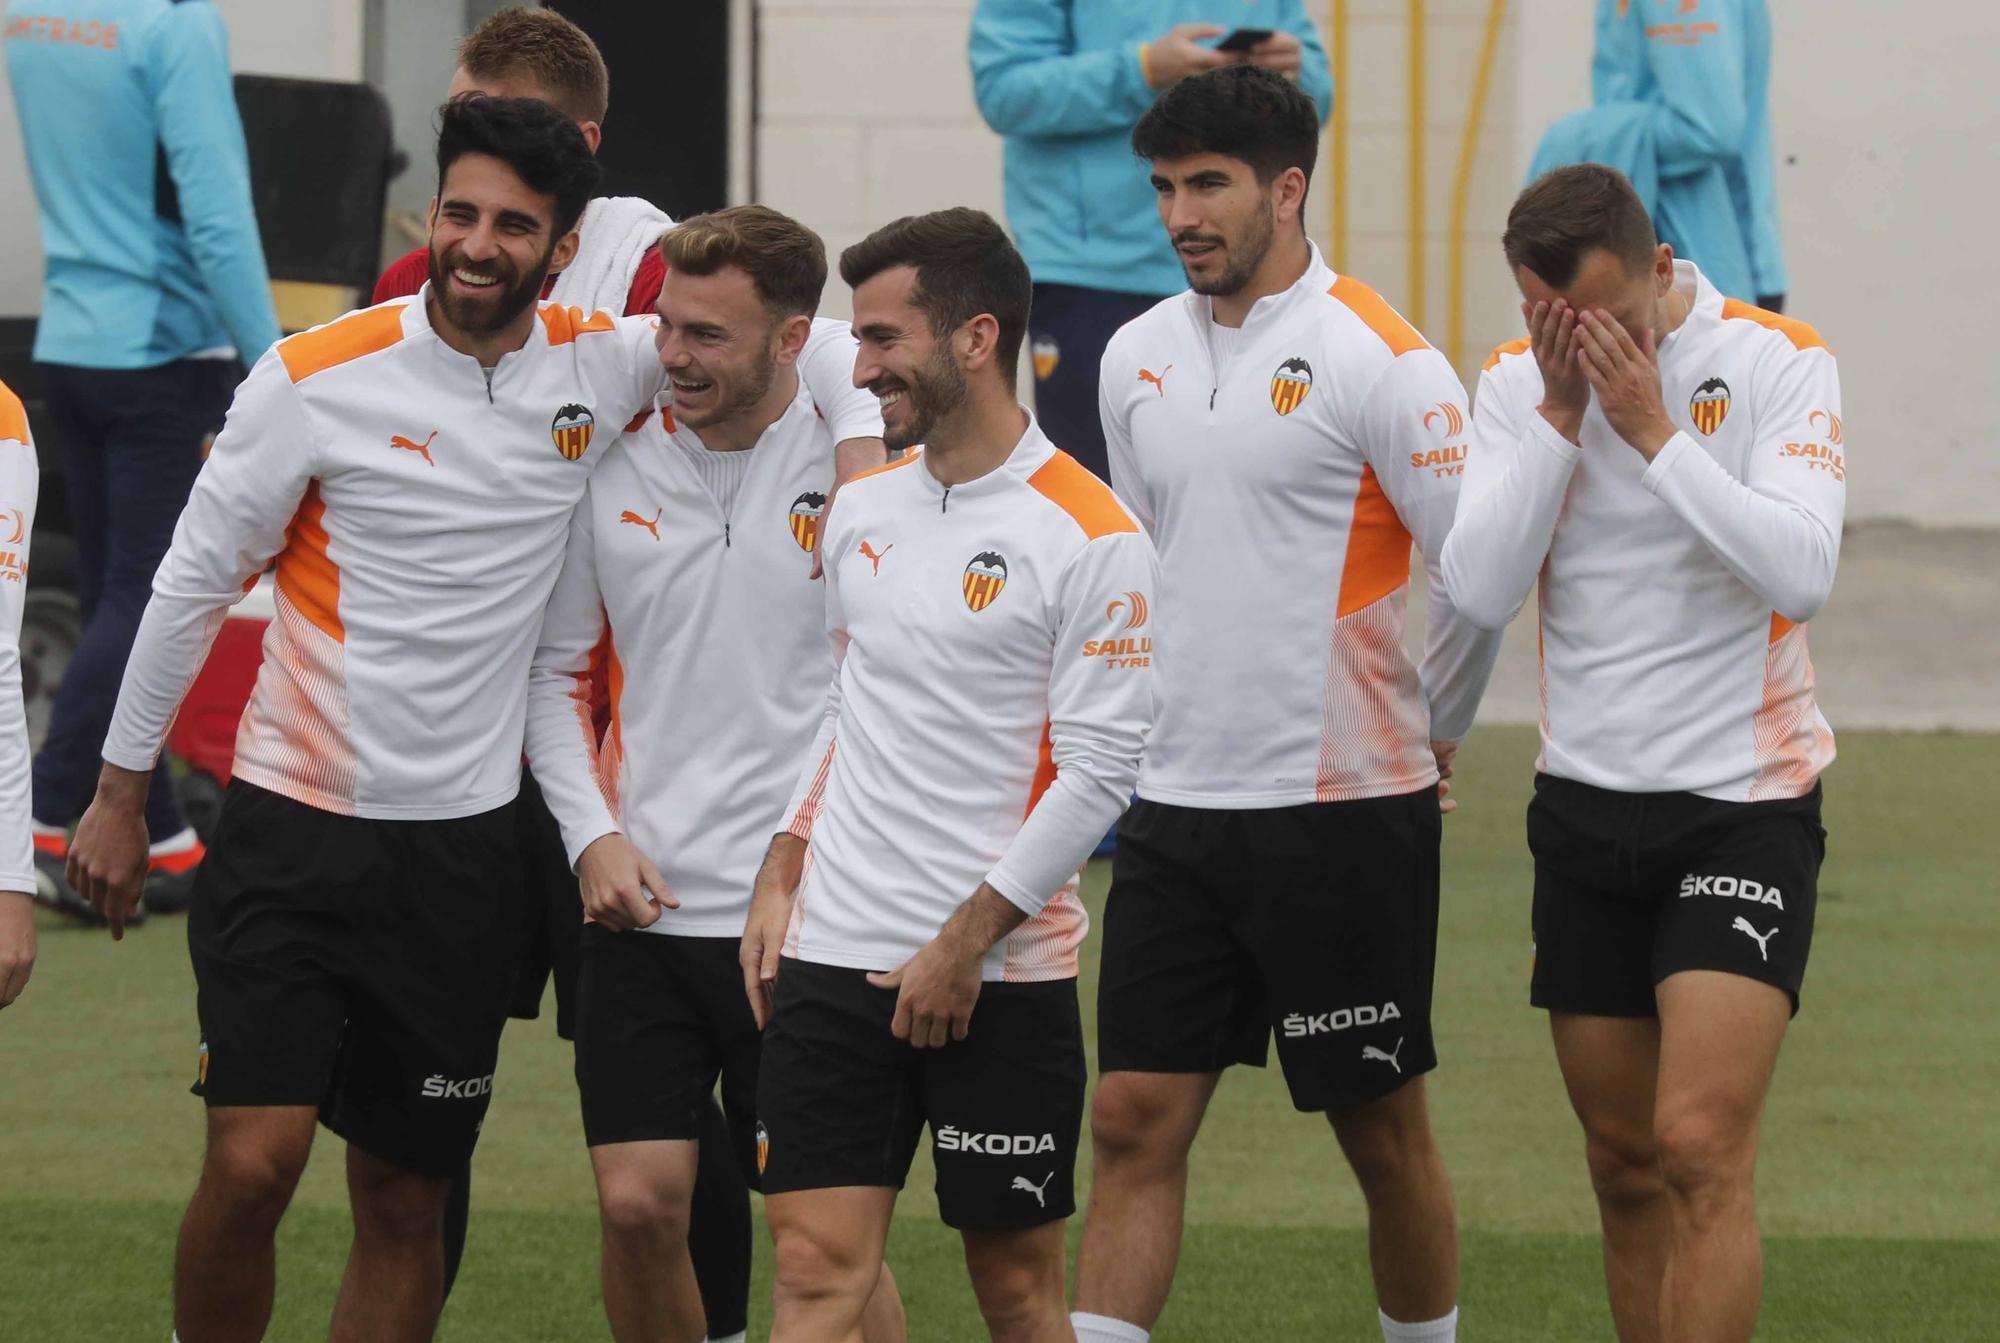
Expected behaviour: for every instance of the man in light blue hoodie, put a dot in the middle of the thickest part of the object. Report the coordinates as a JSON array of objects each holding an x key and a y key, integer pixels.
[
  {"x": 1065, "y": 81},
  {"x": 154, "y": 289},
  {"x": 1681, "y": 105}
]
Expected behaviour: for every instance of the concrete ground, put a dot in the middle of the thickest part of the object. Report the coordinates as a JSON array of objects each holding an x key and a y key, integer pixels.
[{"x": 1910, "y": 639}]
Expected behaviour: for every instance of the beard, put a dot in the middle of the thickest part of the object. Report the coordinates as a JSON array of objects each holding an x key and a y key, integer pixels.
[
  {"x": 499, "y": 306},
  {"x": 937, "y": 391},
  {"x": 1245, "y": 256},
  {"x": 738, "y": 398}
]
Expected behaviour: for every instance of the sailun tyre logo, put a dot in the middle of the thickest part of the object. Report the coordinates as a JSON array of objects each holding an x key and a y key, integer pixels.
[
  {"x": 1709, "y": 406},
  {"x": 571, "y": 429},
  {"x": 984, "y": 579},
  {"x": 1290, "y": 384},
  {"x": 806, "y": 511},
  {"x": 1133, "y": 605}
]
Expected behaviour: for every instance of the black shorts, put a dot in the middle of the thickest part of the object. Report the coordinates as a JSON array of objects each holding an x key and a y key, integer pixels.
[
  {"x": 359, "y": 966},
  {"x": 659, "y": 1019},
  {"x": 1633, "y": 887},
  {"x": 1316, "y": 922},
  {"x": 842, "y": 1102}
]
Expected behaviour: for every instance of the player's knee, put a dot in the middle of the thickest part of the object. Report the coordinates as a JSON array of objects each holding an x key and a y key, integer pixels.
[
  {"x": 1703, "y": 1156},
  {"x": 809, "y": 1266},
  {"x": 636, "y": 1208},
  {"x": 1017, "y": 1292},
  {"x": 253, "y": 1182},
  {"x": 1131, "y": 1122},
  {"x": 1624, "y": 1167}
]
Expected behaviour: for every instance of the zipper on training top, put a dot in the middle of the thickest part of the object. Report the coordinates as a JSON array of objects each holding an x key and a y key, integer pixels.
[{"x": 944, "y": 504}]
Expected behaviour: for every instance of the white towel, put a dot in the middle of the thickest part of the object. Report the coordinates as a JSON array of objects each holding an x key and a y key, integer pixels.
[{"x": 613, "y": 237}]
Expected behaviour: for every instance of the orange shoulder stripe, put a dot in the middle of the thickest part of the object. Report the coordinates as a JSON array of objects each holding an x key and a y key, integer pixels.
[
  {"x": 13, "y": 415},
  {"x": 1801, "y": 335},
  {"x": 904, "y": 460},
  {"x": 307, "y": 575},
  {"x": 343, "y": 339},
  {"x": 1521, "y": 346},
  {"x": 1068, "y": 484},
  {"x": 1382, "y": 319},
  {"x": 566, "y": 324}
]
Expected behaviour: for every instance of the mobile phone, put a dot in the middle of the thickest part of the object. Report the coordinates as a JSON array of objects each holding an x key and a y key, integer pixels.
[{"x": 1243, "y": 39}]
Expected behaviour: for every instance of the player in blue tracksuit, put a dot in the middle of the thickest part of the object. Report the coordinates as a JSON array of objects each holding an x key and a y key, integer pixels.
[
  {"x": 1065, "y": 81},
  {"x": 154, "y": 290},
  {"x": 1681, "y": 105}
]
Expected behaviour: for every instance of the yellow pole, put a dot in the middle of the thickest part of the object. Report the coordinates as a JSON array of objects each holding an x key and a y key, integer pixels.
[
  {"x": 1337, "y": 235},
  {"x": 1461, "y": 191},
  {"x": 1416, "y": 166}
]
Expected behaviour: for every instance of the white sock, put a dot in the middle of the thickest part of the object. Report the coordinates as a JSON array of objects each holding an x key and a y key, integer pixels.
[
  {"x": 56, "y": 832},
  {"x": 1444, "y": 1329},
  {"x": 1103, "y": 1329},
  {"x": 179, "y": 843},
  {"x": 738, "y": 1337}
]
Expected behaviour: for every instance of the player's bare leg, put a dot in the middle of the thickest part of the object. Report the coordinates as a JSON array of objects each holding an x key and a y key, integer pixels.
[
  {"x": 829, "y": 1245},
  {"x": 883, "y": 1321},
  {"x": 1719, "y": 1038},
  {"x": 393, "y": 1287},
  {"x": 1609, "y": 1065},
  {"x": 225, "y": 1265},
  {"x": 1412, "y": 1226},
  {"x": 1141, "y": 1127},
  {"x": 1017, "y": 1277},
  {"x": 644, "y": 1192}
]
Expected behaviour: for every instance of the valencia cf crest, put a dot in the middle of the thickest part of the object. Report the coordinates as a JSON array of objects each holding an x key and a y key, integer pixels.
[
  {"x": 806, "y": 510},
  {"x": 984, "y": 578},
  {"x": 763, "y": 1146},
  {"x": 571, "y": 430},
  {"x": 1290, "y": 384},
  {"x": 1047, "y": 354},
  {"x": 1709, "y": 405}
]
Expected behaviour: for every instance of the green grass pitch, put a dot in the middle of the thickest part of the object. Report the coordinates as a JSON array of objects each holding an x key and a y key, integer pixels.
[{"x": 1879, "y": 1186}]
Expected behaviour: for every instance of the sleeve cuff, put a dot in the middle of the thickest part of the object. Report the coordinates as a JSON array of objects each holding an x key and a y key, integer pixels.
[
  {"x": 1656, "y": 472},
  {"x": 128, "y": 760},
  {"x": 1014, "y": 893},
  {"x": 1546, "y": 434},
  {"x": 592, "y": 835}
]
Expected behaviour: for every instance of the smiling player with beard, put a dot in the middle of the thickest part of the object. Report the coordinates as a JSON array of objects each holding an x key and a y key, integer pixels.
[{"x": 349, "y": 961}]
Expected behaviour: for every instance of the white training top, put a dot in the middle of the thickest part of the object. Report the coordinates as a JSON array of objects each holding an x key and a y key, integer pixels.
[
  {"x": 993, "y": 691},
  {"x": 719, "y": 660},
  {"x": 19, "y": 478},
  {"x": 417, "y": 506},
  {"x": 1283, "y": 486},
  {"x": 1673, "y": 596}
]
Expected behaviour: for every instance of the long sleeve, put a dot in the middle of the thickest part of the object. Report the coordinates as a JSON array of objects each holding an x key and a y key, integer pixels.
[
  {"x": 1099, "y": 715},
  {"x": 1315, "y": 71},
  {"x": 19, "y": 478},
  {"x": 1403, "y": 421},
  {"x": 246, "y": 495},
  {"x": 194, "y": 105},
  {"x": 562, "y": 744},
  {"x": 1029, "y": 81},
  {"x": 826, "y": 366},
  {"x": 1697, "y": 64},
  {"x": 1777, "y": 529},
  {"x": 810, "y": 792},
  {"x": 1126, "y": 481},
  {"x": 1516, "y": 475}
]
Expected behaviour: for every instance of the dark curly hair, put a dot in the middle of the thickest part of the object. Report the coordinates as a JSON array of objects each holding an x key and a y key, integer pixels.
[
  {"x": 541, "y": 144},
  {"x": 1239, "y": 111}
]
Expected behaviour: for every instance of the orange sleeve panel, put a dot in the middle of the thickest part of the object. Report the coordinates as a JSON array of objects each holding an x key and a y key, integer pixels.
[
  {"x": 1380, "y": 318},
  {"x": 338, "y": 342},
  {"x": 1068, "y": 484},
  {"x": 1801, "y": 335}
]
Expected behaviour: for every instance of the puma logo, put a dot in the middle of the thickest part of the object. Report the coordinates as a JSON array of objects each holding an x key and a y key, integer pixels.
[
  {"x": 410, "y": 445},
  {"x": 875, "y": 559},
  {"x": 1371, "y": 1052},
  {"x": 1742, "y": 925},
  {"x": 1026, "y": 1185},
  {"x": 1158, "y": 380},
  {"x": 653, "y": 526}
]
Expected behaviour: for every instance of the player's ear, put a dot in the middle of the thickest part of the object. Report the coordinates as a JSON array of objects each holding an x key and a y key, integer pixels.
[
  {"x": 790, "y": 338},
  {"x": 431, "y": 217},
  {"x": 978, "y": 341},
  {"x": 1663, "y": 269},
  {"x": 564, "y": 253},
  {"x": 593, "y": 134},
  {"x": 1289, "y": 197}
]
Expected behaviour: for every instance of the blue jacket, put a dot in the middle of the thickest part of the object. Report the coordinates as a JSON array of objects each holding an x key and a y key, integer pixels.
[
  {"x": 1682, "y": 107},
  {"x": 137, "y": 157},
  {"x": 1061, "y": 80}
]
